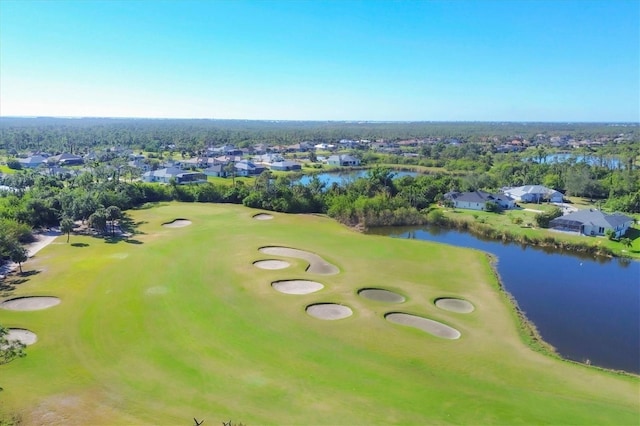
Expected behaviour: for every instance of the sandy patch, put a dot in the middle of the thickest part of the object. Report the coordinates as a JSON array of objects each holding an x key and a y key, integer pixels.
[
  {"x": 21, "y": 335},
  {"x": 430, "y": 326},
  {"x": 454, "y": 305},
  {"x": 35, "y": 303},
  {"x": 263, "y": 216},
  {"x": 381, "y": 295},
  {"x": 271, "y": 264},
  {"x": 157, "y": 290},
  {"x": 317, "y": 265},
  {"x": 177, "y": 223},
  {"x": 329, "y": 311},
  {"x": 297, "y": 286}
]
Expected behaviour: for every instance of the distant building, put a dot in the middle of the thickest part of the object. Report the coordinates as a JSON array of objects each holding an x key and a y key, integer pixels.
[
  {"x": 180, "y": 176},
  {"x": 533, "y": 194},
  {"x": 477, "y": 200},
  {"x": 32, "y": 162},
  {"x": 343, "y": 160},
  {"x": 285, "y": 166}
]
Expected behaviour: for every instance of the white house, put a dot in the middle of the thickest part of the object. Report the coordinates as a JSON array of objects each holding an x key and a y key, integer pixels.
[
  {"x": 180, "y": 176},
  {"x": 343, "y": 160},
  {"x": 477, "y": 200},
  {"x": 533, "y": 194}
]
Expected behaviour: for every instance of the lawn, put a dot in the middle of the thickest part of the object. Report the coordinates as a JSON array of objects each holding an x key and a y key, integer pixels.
[{"x": 177, "y": 323}]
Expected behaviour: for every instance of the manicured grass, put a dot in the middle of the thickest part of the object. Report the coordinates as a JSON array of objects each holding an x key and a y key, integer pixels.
[
  {"x": 178, "y": 323},
  {"x": 6, "y": 170}
]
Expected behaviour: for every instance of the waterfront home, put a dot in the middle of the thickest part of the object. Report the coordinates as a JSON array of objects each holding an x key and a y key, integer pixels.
[
  {"x": 477, "y": 200},
  {"x": 343, "y": 160},
  {"x": 533, "y": 194},
  {"x": 285, "y": 166},
  {"x": 32, "y": 162},
  {"x": 592, "y": 222}
]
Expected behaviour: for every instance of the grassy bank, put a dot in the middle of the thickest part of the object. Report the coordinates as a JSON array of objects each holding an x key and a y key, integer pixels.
[{"x": 178, "y": 323}]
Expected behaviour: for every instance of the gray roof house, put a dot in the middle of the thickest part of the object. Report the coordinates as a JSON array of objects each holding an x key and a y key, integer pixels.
[
  {"x": 477, "y": 200},
  {"x": 533, "y": 194},
  {"x": 32, "y": 161},
  {"x": 181, "y": 177},
  {"x": 66, "y": 159},
  {"x": 285, "y": 166},
  {"x": 592, "y": 222},
  {"x": 248, "y": 168},
  {"x": 343, "y": 160}
]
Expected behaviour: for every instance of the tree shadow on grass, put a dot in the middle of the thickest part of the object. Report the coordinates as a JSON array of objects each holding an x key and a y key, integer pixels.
[
  {"x": 79, "y": 245},
  {"x": 9, "y": 284},
  {"x": 132, "y": 241}
]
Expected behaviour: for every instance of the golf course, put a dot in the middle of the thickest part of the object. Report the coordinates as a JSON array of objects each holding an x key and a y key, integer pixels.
[{"x": 221, "y": 312}]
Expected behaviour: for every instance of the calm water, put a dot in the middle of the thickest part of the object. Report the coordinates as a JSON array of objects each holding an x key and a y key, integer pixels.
[
  {"x": 341, "y": 178},
  {"x": 608, "y": 162},
  {"x": 586, "y": 309}
]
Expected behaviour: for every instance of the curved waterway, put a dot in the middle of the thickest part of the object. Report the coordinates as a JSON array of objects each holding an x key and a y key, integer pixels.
[{"x": 588, "y": 309}]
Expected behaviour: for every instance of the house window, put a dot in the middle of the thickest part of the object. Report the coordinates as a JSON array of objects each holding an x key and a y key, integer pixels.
[{"x": 601, "y": 230}]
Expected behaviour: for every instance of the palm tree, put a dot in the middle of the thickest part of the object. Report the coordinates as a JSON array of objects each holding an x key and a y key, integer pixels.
[{"x": 66, "y": 226}]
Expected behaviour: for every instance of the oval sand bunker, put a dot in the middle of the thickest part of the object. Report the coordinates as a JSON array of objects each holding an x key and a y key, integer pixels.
[
  {"x": 329, "y": 311},
  {"x": 430, "y": 326},
  {"x": 454, "y": 305},
  {"x": 297, "y": 286},
  {"x": 381, "y": 295},
  {"x": 177, "y": 223},
  {"x": 271, "y": 264},
  {"x": 30, "y": 303},
  {"x": 263, "y": 216},
  {"x": 21, "y": 335}
]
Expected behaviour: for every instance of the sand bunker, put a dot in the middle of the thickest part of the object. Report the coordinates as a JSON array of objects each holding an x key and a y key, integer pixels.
[
  {"x": 297, "y": 286},
  {"x": 381, "y": 295},
  {"x": 29, "y": 303},
  {"x": 263, "y": 216},
  {"x": 329, "y": 311},
  {"x": 177, "y": 223},
  {"x": 454, "y": 305},
  {"x": 317, "y": 265},
  {"x": 26, "y": 337},
  {"x": 430, "y": 326},
  {"x": 271, "y": 264}
]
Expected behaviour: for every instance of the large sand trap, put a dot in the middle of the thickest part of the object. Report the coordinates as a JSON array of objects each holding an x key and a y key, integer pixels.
[
  {"x": 317, "y": 265},
  {"x": 30, "y": 303},
  {"x": 263, "y": 216},
  {"x": 430, "y": 326},
  {"x": 271, "y": 264},
  {"x": 26, "y": 337},
  {"x": 381, "y": 295},
  {"x": 454, "y": 305},
  {"x": 329, "y": 311},
  {"x": 177, "y": 223},
  {"x": 297, "y": 286}
]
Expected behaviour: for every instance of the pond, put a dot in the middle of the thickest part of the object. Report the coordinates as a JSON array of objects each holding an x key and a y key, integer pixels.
[
  {"x": 588, "y": 309},
  {"x": 604, "y": 161},
  {"x": 342, "y": 178}
]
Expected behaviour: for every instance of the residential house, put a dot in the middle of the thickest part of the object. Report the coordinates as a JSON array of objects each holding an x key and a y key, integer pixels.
[
  {"x": 32, "y": 162},
  {"x": 216, "y": 170},
  {"x": 343, "y": 160},
  {"x": 592, "y": 222},
  {"x": 285, "y": 166},
  {"x": 180, "y": 176},
  {"x": 66, "y": 159},
  {"x": 248, "y": 168},
  {"x": 533, "y": 194},
  {"x": 477, "y": 200}
]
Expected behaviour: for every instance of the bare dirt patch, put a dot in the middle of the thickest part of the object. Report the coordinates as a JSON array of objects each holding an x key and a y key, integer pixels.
[
  {"x": 177, "y": 223},
  {"x": 430, "y": 326},
  {"x": 271, "y": 264},
  {"x": 381, "y": 295},
  {"x": 21, "y": 335},
  {"x": 34, "y": 303},
  {"x": 329, "y": 311},
  {"x": 263, "y": 216},
  {"x": 452, "y": 304},
  {"x": 297, "y": 286},
  {"x": 317, "y": 265}
]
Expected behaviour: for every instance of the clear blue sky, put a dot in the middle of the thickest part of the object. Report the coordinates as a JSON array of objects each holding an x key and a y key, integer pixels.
[{"x": 455, "y": 60}]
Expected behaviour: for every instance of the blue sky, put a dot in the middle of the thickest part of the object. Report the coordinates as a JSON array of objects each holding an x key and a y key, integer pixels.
[{"x": 454, "y": 60}]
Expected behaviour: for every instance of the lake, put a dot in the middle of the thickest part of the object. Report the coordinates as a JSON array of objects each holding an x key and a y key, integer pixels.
[
  {"x": 607, "y": 161},
  {"x": 341, "y": 178},
  {"x": 588, "y": 309}
]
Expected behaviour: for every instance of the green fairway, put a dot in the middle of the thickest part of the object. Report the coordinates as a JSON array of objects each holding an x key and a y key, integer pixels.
[{"x": 178, "y": 323}]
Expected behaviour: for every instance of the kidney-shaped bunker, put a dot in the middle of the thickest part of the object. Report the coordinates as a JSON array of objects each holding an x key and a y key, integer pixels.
[
  {"x": 34, "y": 303},
  {"x": 21, "y": 335},
  {"x": 430, "y": 326},
  {"x": 271, "y": 264}
]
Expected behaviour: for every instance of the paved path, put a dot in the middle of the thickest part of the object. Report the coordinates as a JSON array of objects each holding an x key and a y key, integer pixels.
[{"x": 43, "y": 239}]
